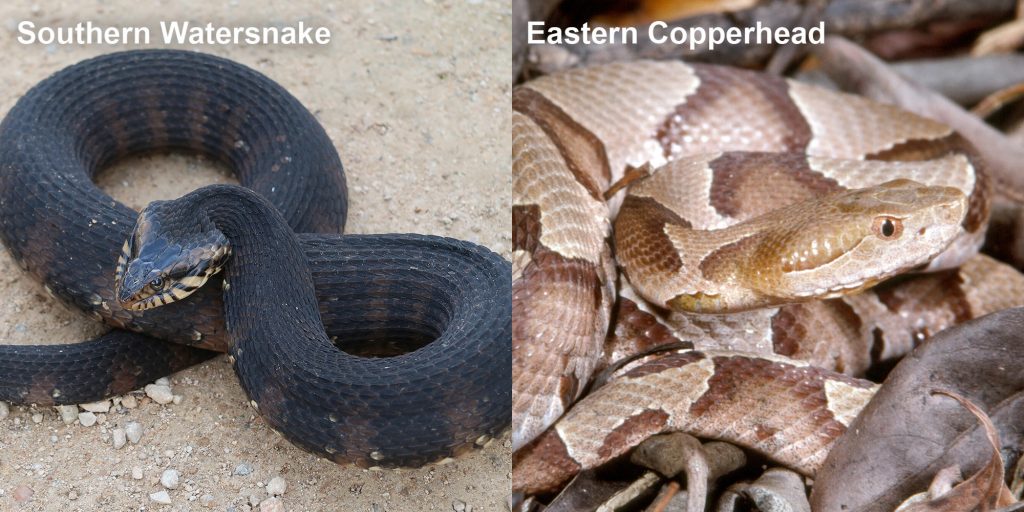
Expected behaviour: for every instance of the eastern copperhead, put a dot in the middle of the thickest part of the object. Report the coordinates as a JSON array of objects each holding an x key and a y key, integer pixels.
[{"x": 738, "y": 145}]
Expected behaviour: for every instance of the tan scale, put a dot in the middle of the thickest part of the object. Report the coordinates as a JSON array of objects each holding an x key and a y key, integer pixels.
[
  {"x": 819, "y": 248},
  {"x": 703, "y": 118}
]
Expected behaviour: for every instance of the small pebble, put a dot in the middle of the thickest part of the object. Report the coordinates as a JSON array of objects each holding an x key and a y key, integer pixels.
[
  {"x": 161, "y": 497},
  {"x": 101, "y": 406},
  {"x": 459, "y": 506},
  {"x": 129, "y": 402},
  {"x": 169, "y": 479},
  {"x": 37, "y": 418},
  {"x": 272, "y": 505},
  {"x": 163, "y": 381},
  {"x": 22, "y": 493},
  {"x": 87, "y": 419},
  {"x": 160, "y": 394},
  {"x": 136, "y": 473},
  {"x": 206, "y": 500},
  {"x": 119, "y": 438},
  {"x": 243, "y": 469},
  {"x": 68, "y": 413},
  {"x": 276, "y": 486},
  {"x": 134, "y": 432},
  {"x": 4, "y": 410}
]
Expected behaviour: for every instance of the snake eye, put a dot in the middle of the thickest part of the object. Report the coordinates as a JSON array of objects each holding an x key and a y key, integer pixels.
[
  {"x": 157, "y": 283},
  {"x": 887, "y": 228}
]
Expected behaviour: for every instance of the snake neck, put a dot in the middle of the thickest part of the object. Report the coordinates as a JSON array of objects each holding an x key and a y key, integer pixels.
[{"x": 267, "y": 266}]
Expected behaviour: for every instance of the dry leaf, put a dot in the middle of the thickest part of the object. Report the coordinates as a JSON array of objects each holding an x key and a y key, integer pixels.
[{"x": 905, "y": 434}]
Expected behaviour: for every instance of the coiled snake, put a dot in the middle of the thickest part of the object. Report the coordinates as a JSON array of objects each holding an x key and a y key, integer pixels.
[
  {"x": 444, "y": 302},
  {"x": 761, "y": 197}
]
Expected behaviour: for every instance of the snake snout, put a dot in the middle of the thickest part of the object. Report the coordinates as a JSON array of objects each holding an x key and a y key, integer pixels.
[
  {"x": 131, "y": 284},
  {"x": 124, "y": 295}
]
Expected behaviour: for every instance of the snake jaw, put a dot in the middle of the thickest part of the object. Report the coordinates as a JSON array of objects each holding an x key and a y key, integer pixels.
[
  {"x": 137, "y": 287},
  {"x": 139, "y": 293}
]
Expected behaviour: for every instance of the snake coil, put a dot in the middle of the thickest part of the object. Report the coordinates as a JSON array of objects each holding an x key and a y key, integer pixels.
[{"x": 444, "y": 301}]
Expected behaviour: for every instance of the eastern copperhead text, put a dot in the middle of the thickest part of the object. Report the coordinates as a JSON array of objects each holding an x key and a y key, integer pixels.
[{"x": 660, "y": 32}]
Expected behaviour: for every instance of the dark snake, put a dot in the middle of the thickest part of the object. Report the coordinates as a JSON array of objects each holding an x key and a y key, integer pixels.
[{"x": 440, "y": 308}]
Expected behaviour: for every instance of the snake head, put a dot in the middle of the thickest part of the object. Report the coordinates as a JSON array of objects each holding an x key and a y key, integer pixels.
[
  {"x": 167, "y": 257},
  {"x": 857, "y": 238}
]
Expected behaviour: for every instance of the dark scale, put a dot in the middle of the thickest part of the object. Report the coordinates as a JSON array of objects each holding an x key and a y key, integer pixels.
[{"x": 452, "y": 299}]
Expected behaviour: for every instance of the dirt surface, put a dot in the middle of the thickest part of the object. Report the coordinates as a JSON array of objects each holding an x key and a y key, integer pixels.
[{"x": 415, "y": 96}]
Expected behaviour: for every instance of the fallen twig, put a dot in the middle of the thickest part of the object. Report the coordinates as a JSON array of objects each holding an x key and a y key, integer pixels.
[{"x": 855, "y": 69}]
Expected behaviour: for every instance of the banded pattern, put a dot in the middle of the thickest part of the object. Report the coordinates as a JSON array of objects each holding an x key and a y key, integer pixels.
[
  {"x": 782, "y": 408},
  {"x": 735, "y": 152},
  {"x": 577, "y": 132},
  {"x": 445, "y": 302}
]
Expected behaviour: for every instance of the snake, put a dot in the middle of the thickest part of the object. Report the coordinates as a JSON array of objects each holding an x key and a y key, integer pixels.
[
  {"x": 764, "y": 242},
  {"x": 375, "y": 350}
]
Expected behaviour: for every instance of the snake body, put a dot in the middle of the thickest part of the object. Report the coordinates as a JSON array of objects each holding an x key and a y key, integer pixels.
[
  {"x": 767, "y": 204},
  {"x": 445, "y": 300}
]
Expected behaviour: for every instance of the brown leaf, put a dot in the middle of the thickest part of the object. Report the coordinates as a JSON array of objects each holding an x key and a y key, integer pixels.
[
  {"x": 984, "y": 490},
  {"x": 1002, "y": 39},
  {"x": 905, "y": 434},
  {"x": 588, "y": 492}
]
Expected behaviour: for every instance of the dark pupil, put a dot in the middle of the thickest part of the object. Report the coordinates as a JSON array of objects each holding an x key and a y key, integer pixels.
[
  {"x": 158, "y": 282},
  {"x": 888, "y": 228}
]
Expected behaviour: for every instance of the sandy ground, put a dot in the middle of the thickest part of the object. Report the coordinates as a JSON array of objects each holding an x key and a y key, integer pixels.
[{"x": 415, "y": 96}]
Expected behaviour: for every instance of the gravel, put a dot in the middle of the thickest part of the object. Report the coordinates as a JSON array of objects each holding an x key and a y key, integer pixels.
[
  {"x": 4, "y": 410},
  {"x": 169, "y": 479},
  {"x": 160, "y": 394},
  {"x": 134, "y": 432},
  {"x": 87, "y": 419},
  {"x": 277, "y": 486},
  {"x": 68, "y": 413},
  {"x": 101, "y": 406},
  {"x": 243, "y": 469},
  {"x": 160, "y": 497},
  {"x": 272, "y": 505},
  {"x": 136, "y": 473},
  {"x": 22, "y": 493},
  {"x": 120, "y": 438}
]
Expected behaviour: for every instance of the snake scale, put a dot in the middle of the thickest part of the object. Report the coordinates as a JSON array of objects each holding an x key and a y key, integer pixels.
[
  {"x": 757, "y": 208},
  {"x": 442, "y": 305}
]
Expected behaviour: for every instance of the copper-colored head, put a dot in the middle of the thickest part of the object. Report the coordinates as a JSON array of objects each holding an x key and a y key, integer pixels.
[{"x": 854, "y": 239}]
